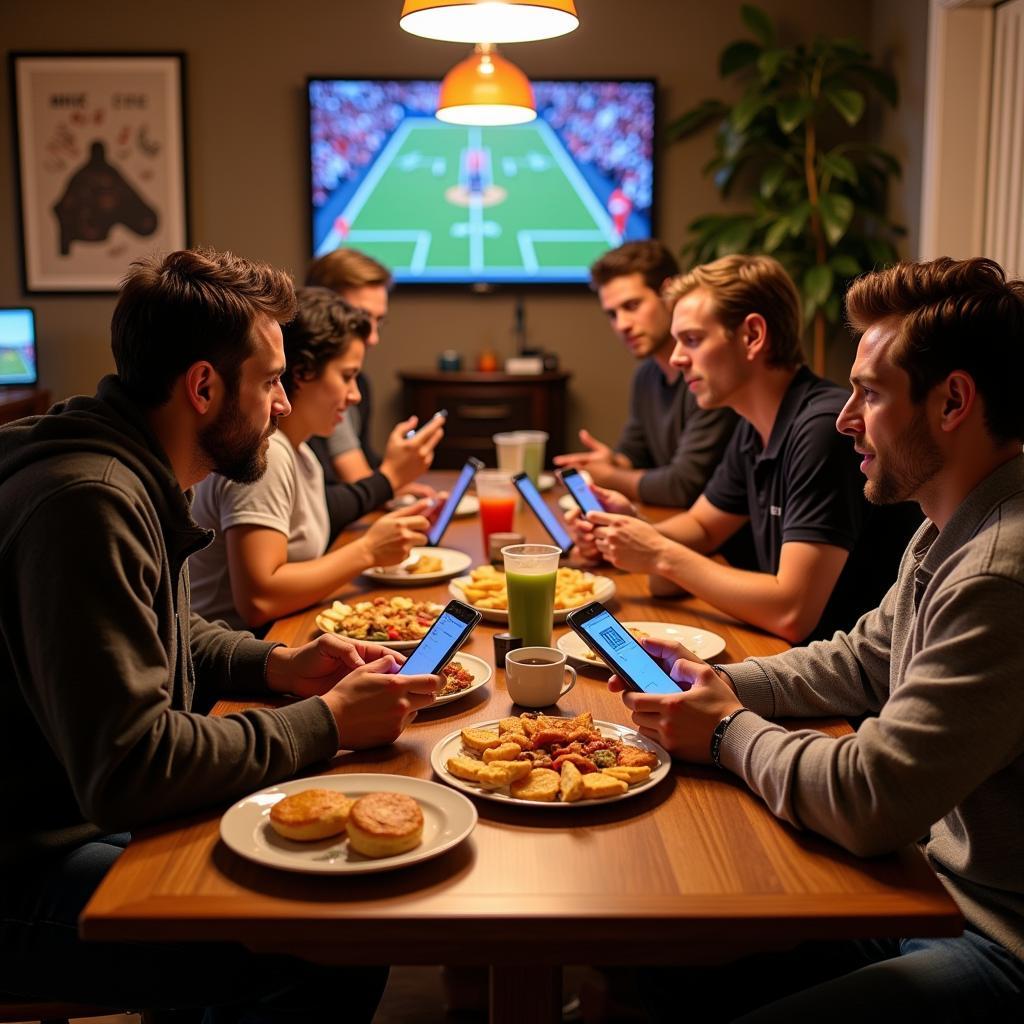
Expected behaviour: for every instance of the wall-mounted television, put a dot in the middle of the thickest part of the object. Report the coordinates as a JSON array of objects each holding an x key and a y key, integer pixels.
[
  {"x": 18, "y": 346},
  {"x": 449, "y": 204}
]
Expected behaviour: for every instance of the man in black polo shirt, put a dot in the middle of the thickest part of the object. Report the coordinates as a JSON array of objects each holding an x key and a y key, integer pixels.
[{"x": 824, "y": 555}]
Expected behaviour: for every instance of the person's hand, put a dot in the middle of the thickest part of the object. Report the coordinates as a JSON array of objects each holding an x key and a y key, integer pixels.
[
  {"x": 389, "y": 540},
  {"x": 417, "y": 490},
  {"x": 627, "y": 542},
  {"x": 582, "y": 530},
  {"x": 315, "y": 667},
  {"x": 406, "y": 458},
  {"x": 681, "y": 722},
  {"x": 597, "y": 451},
  {"x": 372, "y": 705}
]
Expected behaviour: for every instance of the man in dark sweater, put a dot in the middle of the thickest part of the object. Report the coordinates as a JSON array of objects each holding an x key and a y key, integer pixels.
[
  {"x": 669, "y": 445},
  {"x": 102, "y": 660}
]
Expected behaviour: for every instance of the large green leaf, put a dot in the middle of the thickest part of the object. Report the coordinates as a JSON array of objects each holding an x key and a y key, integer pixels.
[
  {"x": 836, "y": 214},
  {"x": 747, "y": 109},
  {"x": 844, "y": 265},
  {"x": 769, "y": 62},
  {"x": 791, "y": 113},
  {"x": 759, "y": 23},
  {"x": 849, "y": 103},
  {"x": 695, "y": 119},
  {"x": 735, "y": 238},
  {"x": 737, "y": 56},
  {"x": 839, "y": 167},
  {"x": 771, "y": 178},
  {"x": 818, "y": 284},
  {"x": 798, "y": 218},
  {"x": 776, "y": 233},
  {"x": 883, "y": 82},
  {"x": 880, "y": 251}
]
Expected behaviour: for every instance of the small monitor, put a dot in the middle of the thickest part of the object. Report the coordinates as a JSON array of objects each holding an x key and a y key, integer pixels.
[{"x": 18, "y": 346}]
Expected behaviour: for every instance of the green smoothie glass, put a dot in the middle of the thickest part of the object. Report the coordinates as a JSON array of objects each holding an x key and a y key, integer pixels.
[
  {"x": 535, "y": 441},
  {"x": 530, "y": 574}
]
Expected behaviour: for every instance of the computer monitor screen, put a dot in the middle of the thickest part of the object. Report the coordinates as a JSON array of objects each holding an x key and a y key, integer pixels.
[
  {"x": 450, "y": 204},
  {"x": 18, "y": 346}
]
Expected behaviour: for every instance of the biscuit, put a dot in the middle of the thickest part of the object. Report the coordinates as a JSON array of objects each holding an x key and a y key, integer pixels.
[
  {"x": 504, "y": 752},
  {"x": 628, "y": 773},
  {"x": 501, "y": 773},
  {"x": 467, "y": 768},
  {"x": 540, "y": 785},
  {"x": 479, "y": 739},
  {"x": 311, "y": 814},
  {"x": 385, "y": 824},
  {"x": 598, "y": 786},
  {"x": 570, "y": 783}
]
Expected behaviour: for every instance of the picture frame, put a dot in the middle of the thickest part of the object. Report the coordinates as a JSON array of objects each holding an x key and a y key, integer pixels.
[{"x": 100, "y": 153}]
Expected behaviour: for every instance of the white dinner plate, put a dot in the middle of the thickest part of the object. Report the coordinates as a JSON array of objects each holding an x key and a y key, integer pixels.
[
  {"x": 451, "y": 746},
  {"x": 325, "y": 626},
  {"x": 567, "y": 502},
  {"x": 604, "y": 591},
  {"x": 545, "y": 481},
  {"x": 481, "y": 672},
  {"x": 702, "y": 642},
  {"x": 452, "y": 563},
  {"x": 448, "y": 817},
  {"x": 469, "y": 506}
]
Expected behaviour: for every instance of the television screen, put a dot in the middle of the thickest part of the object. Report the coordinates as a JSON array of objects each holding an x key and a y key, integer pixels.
[
  {"x": 441, "y": 203},
  {"x": 17, "y": 346}
]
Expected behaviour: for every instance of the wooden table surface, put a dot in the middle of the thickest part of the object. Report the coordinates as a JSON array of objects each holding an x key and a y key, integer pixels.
[{"x": 695, "y": 870}]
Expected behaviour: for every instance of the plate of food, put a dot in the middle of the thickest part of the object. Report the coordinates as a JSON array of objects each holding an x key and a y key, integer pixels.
[
  {"x": 462, "y": 675},
  {"x": 347, "y": 824},
  {"x": 484, "y": 588},
  {"x": 701, "y": 642},
  {"x": 545, "y": 481},
  {"x": 396, "y": 622},
  {"x": 424, "y": 565},
  {"x": 469, "y": 506},
  {"x": 546, "y": 761}
]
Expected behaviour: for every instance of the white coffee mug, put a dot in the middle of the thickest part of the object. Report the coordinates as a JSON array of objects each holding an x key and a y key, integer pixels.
[{"x": 535, "y": 677}]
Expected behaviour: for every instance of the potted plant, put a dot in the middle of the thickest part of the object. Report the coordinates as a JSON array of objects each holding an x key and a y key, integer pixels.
[{"x": 818, "y": 191}]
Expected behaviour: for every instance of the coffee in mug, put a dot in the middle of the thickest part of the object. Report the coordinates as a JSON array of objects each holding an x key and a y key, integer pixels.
[{"x": 537, "y": 677}]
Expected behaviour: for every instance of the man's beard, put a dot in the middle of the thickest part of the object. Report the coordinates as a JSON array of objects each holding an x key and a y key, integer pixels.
[
  {"x": 235, "y": 449},
  {"x": 906, "y": 467}
]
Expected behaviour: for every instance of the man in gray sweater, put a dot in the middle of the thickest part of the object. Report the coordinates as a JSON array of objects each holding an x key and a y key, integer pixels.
[
  {"x": 103, "y": 666},
  {"x": 939, "y": 666}
]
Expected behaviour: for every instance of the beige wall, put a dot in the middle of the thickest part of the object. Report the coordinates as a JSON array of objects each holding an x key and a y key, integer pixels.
[{"x": 247, "y": 62}]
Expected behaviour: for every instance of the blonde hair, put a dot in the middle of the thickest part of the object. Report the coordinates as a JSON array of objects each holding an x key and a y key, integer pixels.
[
  {"x": 343, "y": 269},
  {"x": 740, "y": 285}
]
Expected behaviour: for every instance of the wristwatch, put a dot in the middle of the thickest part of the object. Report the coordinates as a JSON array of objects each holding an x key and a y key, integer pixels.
[{"x": 719, "y": 735}]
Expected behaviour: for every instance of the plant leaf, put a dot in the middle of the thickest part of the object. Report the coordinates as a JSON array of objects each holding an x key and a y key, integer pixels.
[
  {"x": 768, "y": 63},
  {"x": 759, "y": 23},
  {"x": 791, "y": 113},
  {"x": 771, "y": 178},
  {"x": 839, "y": 167},
  {"x": 849, "y": 103},
  {"x": 818, "y": 284},
  {"x": 734, "y": 238},
  {"x": 737, "y": 56},
  {"x": 880, "y": 251},
  {"x": 845, "y": 265},
  {"x": 885, "y": 85},
  {"x": 798, "y": 218},
  {"x": 836, "y": 214},
  {"x": 695, "y": 119},
  {"x": 832, "y": 309},
  {"x": 776, "y": 233},
  {"x": 747, "y": 109}
]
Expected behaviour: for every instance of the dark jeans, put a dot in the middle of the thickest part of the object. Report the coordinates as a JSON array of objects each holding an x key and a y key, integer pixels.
[
  {"x": 969, "y": 978},
  {"x": 42, "y": 956}
]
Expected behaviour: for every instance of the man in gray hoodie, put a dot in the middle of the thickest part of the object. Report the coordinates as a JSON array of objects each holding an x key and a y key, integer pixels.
[
  {"x": 936, "y": 414},
  {"x": 102, "y": 663}
]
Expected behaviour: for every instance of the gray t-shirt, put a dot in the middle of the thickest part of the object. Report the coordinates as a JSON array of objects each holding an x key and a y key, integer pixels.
[
  {"x": 289, "y": 498},
  {"x": 345, "y": 436}
]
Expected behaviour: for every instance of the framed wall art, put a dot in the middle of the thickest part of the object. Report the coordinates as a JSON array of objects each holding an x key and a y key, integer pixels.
[{"x": 100, "y": 150}]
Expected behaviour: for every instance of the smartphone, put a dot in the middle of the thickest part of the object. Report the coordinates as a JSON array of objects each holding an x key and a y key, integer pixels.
[
  {"x": 442, "y": 413},
  {"x": 619, "y": 649},
  {"x": 448, "y": 633},
  {"x": 458, "y": 492},
  {"x": 580, "y": 490},
  {"x": 548, "y": 519}
]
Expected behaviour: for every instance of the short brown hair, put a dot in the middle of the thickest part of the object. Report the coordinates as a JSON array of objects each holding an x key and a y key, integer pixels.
[
  {"x": 741, "y": 285},
  {"x": 347, "y": 268},
  {"x": 191, "y": 305},
  {"x": 956, "y": 315},
  {"x": 323, "y": 330},
  {"x": 649, "y": 258}
]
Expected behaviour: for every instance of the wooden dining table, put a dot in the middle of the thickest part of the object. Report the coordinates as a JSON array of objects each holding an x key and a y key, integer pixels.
[{"x": 695, "y": 870}]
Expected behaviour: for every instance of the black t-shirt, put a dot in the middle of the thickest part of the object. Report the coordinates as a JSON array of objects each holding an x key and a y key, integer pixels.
[{"x": 806, "y": 485}]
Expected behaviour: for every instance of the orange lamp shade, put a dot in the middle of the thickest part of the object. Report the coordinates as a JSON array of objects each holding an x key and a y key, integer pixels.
[
  {"x": 486, "y": 89},
  {"x": 491, "y": 21}
]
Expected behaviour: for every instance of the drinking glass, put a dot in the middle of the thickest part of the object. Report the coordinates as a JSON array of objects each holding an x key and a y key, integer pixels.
[
  {"x": 530, "y": 576},
  {"x": 498, "y": 498},
  {"x": 511, "y": 449},
  {"x": 533, "y": 453}
]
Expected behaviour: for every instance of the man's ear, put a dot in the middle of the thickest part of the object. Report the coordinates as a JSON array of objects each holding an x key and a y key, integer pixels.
[
  {"x": 958, "y": 394},
  {"x": 754, "y": 334},
  {"x": 204, "y": 387}
]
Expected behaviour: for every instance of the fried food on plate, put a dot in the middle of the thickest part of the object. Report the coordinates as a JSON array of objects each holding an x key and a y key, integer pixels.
[
  {"x": 385, "y": 824},
  {"x": 598, "y": 786},
  {"x": 486, "y": 588},
  {"x": 311, "y": 814},
  {"x": 540, "y": 785},
  {"x": 480, "y": 739},
  {"x": 570, "y": 783}
]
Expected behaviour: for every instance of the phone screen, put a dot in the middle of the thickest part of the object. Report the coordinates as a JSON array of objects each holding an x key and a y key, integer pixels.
[
  {"x": 548, "y": 519},
  {"x": 458, "y": 492},
  {"x": 579, "y": 489},
  {"x": 628, "y": 658},
  {"x": 433, "y": 649}
]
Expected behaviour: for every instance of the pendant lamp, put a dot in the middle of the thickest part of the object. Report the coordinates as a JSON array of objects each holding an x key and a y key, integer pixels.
[
  {"x": 486, "y": 89},
  {"x": 497, "y": 21}
]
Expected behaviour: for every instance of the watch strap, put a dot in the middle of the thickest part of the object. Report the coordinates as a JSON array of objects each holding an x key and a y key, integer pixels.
[{"x": 719, "y": 735}]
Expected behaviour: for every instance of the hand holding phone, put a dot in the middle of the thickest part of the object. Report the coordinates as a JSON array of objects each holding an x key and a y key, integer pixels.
[
  {"x": 577, "y": 486},
  {"x": 448, "y": 633},
  {"x": 620, "y": 650},
  {"x": 440, "y": 414}
]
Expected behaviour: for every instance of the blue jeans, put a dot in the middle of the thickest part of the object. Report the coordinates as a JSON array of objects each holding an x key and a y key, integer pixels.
[
  {"x": 44, "y": 957},
  {"x": 968, "y": 978}
]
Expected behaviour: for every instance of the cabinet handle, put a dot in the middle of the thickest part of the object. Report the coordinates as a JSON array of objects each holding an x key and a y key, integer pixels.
[{"x": 483, "y": 412}]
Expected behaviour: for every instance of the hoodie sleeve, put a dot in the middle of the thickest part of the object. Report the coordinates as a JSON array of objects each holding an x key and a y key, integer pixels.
[{"x": 100, "y": 661}]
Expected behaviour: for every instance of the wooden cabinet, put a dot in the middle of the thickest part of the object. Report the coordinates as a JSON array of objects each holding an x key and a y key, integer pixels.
[
  {"x": 18, "y": 402},
  {"x": 482, "y": 404}
]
